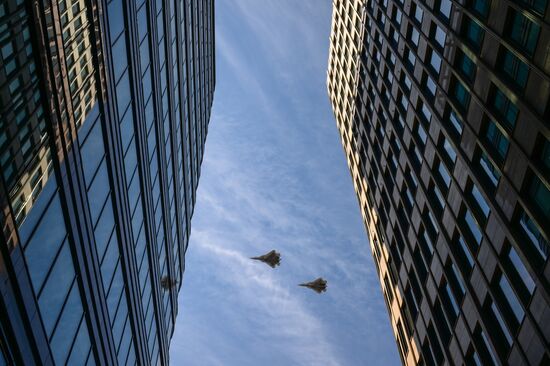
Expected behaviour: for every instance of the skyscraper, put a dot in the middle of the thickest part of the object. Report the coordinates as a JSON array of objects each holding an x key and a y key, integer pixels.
[
  {"x": 443, "y": 109},
  {"x": 104, "y": 115}
]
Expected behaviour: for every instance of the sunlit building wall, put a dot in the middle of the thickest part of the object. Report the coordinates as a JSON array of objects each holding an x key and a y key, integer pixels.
[
  {"x": 443, "y": 110},
  {"x": 104, "y": 110}
]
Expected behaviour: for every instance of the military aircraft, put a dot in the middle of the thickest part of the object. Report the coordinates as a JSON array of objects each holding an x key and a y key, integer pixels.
[
  {"x": 319, "y": 285},
  {"x": 273, "y": 259},
  {"x": 167, "y": 282}
]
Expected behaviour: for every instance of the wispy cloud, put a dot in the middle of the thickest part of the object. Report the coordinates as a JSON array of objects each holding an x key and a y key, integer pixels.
[{"x": 274, "y": 177}]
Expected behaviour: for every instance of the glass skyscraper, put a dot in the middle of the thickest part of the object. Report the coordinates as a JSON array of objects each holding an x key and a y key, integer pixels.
[
  {"x": 104, "y": 110},
  {"x": 443, "y": 107}
]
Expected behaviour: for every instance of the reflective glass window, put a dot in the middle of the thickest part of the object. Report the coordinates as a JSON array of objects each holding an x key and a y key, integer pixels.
[
  {"x": 539, "y": 196},
  {"x": 98, "y": 191},
  {"x": 533, "y": 232},
  {"x": 523, "y": 32},
  {"x": 504, "y": 107},
  {"x": 116, "y": 18},
  {"x": 511, "y": 298},
  {"x": 497, "y": 141},
  {"x": 520, "y": 269},
  {"x": 472, "y": 32},
  {"x": 82, "y": 346},
  {"x": 66, "y": 328},
  {"x": 53, "y": 294},
  {"x": 515, "y": 70},
  {"x": 473, "y": 226}
]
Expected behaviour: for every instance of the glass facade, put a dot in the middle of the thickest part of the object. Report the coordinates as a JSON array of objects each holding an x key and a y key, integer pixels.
[
  {"x": 104, "y": 116},
  {"x": 443, "y": 110}
]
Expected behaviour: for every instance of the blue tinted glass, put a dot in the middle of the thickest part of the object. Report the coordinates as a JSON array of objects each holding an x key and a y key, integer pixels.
[
  {"x": 39, "y": 259},
  {"x": 92, "y": 152},
  {"x": 56, "y": 288},
  {"x": 120, "y": 61},
  {"x": 35, "y": 214},
  {"x": 511, "y": 298},
  {"x": 521, "y": 270},
  {"x": 466, "y": 251},
  {"x": 98, "y": 191},
  {"x": 81, "y": 347},
  {"x": 127, "y": 128},
  {"x": 481, "y": 203},
  {"x": 67, "y": 326},
  {"x": 534, "y": 234},
  {"x": 444, "y": 174},
  {"x": 116, "y": 18},
  {"x": 51, "y": 227},
  {"x": 44, "y": 245},
  {"x": 109, "y": 262},
  {"x": 116, "y": 289},
  {"x": 123, "y": 94},
  {"x": 130, "y": 161},
  {"x": 104, "y": 229},
  {"x": 124, "y": 344},
  {"x": 120, "y": 319},
  {"x": 473, "y": 226},
  {"x": 489, "y": 168}
]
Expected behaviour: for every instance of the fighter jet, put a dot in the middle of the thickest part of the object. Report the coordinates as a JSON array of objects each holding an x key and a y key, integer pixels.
[
  {"x": 166, "y": 282},
  {"x": 273, "y": 259},
  {"x": 319, "y": 285}
]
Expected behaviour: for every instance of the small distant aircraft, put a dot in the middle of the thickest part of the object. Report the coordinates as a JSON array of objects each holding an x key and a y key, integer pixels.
[
  {"x": 319, "y": 285},
  {"x": 167, "y": 282},
  {"x": 273, "y": 259}
]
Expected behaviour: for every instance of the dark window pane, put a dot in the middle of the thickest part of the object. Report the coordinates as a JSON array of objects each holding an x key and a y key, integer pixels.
[
  {"x": 523, "y": 32},
  {"x": 513, "y": 69},
  {"x": 504, "y": 108},
  {"x": 497, "y": 141}
]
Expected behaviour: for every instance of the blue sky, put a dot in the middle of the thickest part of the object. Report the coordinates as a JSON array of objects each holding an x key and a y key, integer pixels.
[{"x": 274, "y": 176}]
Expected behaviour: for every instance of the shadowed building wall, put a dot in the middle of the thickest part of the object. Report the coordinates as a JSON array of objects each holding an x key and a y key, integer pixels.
[
  {"x": 104, "y": 110},
  {"x": 443, "y": 110}
]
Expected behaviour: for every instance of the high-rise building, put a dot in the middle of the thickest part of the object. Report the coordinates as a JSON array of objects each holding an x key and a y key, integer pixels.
[
  {"x": 443, "y": 109},
  {"x": 104, "y": 110}
]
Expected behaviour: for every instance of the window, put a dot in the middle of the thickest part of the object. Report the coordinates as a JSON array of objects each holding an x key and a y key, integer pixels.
[
  {"x": 411, "y": 58},
  {"x": 480, "y": 202},
  {"x": 430, "y": 85},
  {"x": 538, "y": 6},
  {"x": 506, "y": 336},
  {"x": 465, "y": 254},
  {"x": 444, "y": 175},
  {"x": 534, "y": 234},
  {"x": 445, "y": 8},
  {"x": 513, "y": 68},
  {"x": 509, "y": 296},
  {"x": 435, "y": 61},
  {"x": 490, "y": 169},
  {"x": 473, "y": 227},
  {"x": 455, "y": 122},
  {"x": 519, "y": 269},
  {"x": 523, "y": 32},
  {"x": 539, "y": 196},
  {"x": 438, "y": 35},
  {"x": 460, "y": 94},
  {"x": 544, "y": 153},
  {"x": 449, "y": 150},
  {"x": 504, "y": 108},
  {"x": 414, "y": 35},
  {"x": 472, "y": 32},
  {"x": 418, "y": 12},
  {"x": 497, "y": 141},
  {"x": 479, "y": 7},
  {"x": 465, "y": 65}
]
